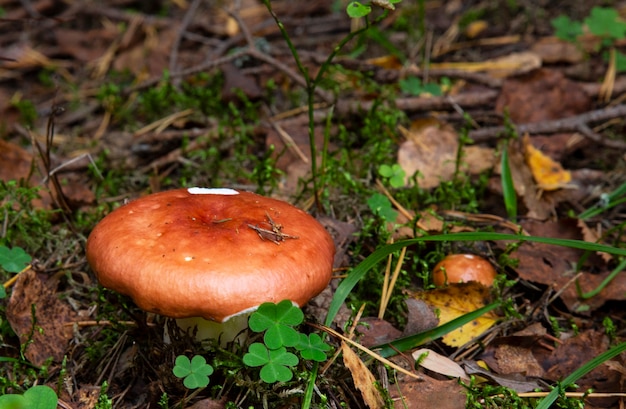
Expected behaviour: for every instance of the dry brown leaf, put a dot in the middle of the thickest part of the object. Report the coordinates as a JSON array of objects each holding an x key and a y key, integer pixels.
[
  {"x": 363, "y": 378},
  {"x": 48, "y": 335},
  {"x": 591, "y": 237}
]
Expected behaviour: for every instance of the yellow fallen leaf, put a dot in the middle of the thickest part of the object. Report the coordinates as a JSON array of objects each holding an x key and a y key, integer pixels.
[
  {"x": 548, "y": 174},
  {"x": 363, "y": 378},
  {"x": 456, "y": 300}
]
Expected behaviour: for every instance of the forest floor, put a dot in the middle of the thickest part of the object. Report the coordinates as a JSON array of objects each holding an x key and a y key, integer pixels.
[{"x": 436, "y": 128}]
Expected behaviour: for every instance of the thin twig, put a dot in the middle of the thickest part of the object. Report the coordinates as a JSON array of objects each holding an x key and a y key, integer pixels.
[{"x": 578, "y": 123}]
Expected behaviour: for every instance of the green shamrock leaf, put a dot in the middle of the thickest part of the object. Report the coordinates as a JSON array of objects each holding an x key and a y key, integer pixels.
[
  {"x": 195, "y": 372},
  {"x": 566, "y": 29},
  {"x": 277, "y": 321},
  {"x": 275, "y": 363},
  {"x": 13, "y": 260},
  {"x": 312, "y": 347},
  {"x": 37, "y": 397},
  {"x": 605, "y": 21},
  {"x": 380, "y": 205}
]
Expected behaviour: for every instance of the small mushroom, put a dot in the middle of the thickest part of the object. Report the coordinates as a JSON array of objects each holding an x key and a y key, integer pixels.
[
  {"x": 211, "y": 253},
  {"x": 462, "y": 268}
]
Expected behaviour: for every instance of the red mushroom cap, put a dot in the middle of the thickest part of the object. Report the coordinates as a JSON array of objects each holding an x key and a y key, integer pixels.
[
  {"x": 462, "y": 268},
  {"x": 210, "y": 253}
]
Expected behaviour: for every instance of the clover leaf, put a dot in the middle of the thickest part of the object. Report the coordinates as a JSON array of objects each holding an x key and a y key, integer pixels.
[
  {"x": 277, "y": 321},
  {"x": 605, "y": 21},
  {"x": 394, "y": 173},
  {"x": 13, "y": 260},
  {"x": 275, "y": 363},
  {"x": 195, "y": 372},
  {"x": 37, "y": 397},
  {"x": 312, "y": 347},
  {"x": 566, "y": 29},
  {"x": 380, "y": 205}
]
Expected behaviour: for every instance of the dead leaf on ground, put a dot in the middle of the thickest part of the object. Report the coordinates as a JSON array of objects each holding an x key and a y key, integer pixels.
[
  {"x": 548, "y": 174},
  {"x": 431, "y": 360},
  {"x": 542, "y": 95},
  {"x": 553, "y": 50},
  {"x": 456, "y": 300},
  {"x": 428, "y": 394},
  {"x": 516, "y": 382},
  {"x": 51, "y": 314},
  {"x": 432, "y": 150},
  {"x": 363, "y": 378},
  {"x": 575, "y": 352},
  {"x": 555, "y": 266}
]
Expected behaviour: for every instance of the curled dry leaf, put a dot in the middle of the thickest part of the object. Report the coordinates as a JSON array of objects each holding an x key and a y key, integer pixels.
[
  {"x": 435, "y": 362},
  {"x": 363, "y": 378}
]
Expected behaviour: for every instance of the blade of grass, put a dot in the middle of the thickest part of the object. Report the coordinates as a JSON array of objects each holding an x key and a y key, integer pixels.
[
  {"x": 547, "y": 402},
  {"x": 406, "y": 343},
  {"x": 508, "y": 188},
  {"x": 585, "y": 296}
]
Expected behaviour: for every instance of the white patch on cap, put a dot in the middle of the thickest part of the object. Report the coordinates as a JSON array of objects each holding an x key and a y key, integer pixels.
[{"x": 211, "y": 191}]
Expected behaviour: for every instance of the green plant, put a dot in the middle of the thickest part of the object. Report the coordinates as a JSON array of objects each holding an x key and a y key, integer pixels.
[
  {"x": 195, "y": 372},
  {"x": 604, "y": 22},
  {"x": 394, "y": 174},
  {"x": 354, "y": 10},
  {"x": 277, "y": 321},
  {"x": 380, "y": 205},
  {"x": 37, "y": 397},
  {"x": 12, "y": 261},
  {"x": 415, "y": 86}
]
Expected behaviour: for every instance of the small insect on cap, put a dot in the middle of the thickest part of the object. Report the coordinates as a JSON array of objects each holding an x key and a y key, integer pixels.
[{"x": 211, "y": 253}]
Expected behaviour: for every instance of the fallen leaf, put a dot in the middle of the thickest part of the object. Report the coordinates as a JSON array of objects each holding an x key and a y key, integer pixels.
[
  {"x": 363, "y": 378},
  {"x": 548, "y": 174},
  {"x": 457, "y": 300},
  {"x": 440, "y": 364},
  {"x": 515, "y": 382},
  {"x": 590, "y": 236},
  {"x": 428, "y": 393},
  {"x": 48, "y": 335}
]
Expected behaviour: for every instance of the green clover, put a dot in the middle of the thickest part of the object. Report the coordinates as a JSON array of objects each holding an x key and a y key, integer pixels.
[
  {"x": 278, "y": 321},
  {"x": 380, "y": 205},
  {"x": 312, "y": 347},
  {"x": 394, "y": 173},
  {"x": 195, "y": 372},
  {"x": 275, "y": 363},
  {"x": 37, "y": 397},
  {"x": 13, "y": 260}
]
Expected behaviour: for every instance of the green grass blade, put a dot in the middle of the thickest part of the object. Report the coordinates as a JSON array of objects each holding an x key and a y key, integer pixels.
[{"x": 406, "y": 343}]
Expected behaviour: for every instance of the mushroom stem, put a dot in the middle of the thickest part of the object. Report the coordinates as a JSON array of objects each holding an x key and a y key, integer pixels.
[{"x": 225, "y": 332}]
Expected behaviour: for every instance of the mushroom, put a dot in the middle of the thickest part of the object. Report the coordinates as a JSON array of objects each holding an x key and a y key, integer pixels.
[
  {"x": 462, "y": 268},
  {"x": 211, "y": 253}
]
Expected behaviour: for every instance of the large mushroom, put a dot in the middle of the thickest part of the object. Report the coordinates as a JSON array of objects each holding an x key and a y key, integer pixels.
[{"x": 211, "y": 253}]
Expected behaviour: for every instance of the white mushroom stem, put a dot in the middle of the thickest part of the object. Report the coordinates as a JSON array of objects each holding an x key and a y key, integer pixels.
[{"x": 230, "y": 330}]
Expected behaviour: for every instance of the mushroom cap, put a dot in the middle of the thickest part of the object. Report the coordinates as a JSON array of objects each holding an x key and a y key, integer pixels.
[
  {"x": 462, "y": 268},
  {"x": 211, "y": 253}
]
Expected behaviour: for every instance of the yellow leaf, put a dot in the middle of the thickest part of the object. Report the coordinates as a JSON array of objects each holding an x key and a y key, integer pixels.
[
  {"x": 456, "y": 300},
  {"x": 548, "y": 174},
  {"x": 363, "y": 378}
]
